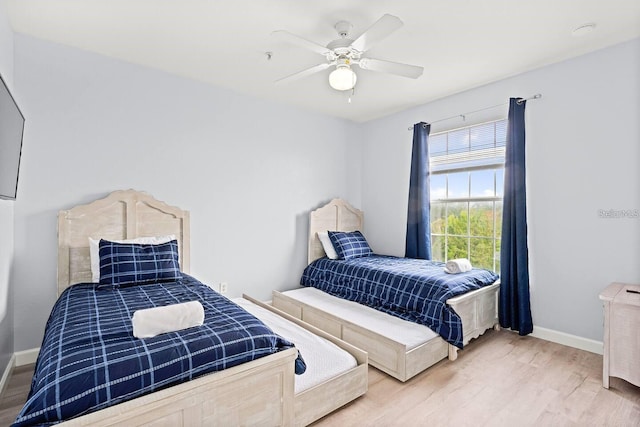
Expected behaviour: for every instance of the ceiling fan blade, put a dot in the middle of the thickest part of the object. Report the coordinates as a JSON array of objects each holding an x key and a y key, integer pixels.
[
  {"x": 405, "y": 70},
  {"x": 299, "y": 41},
  {"x": 380, "y": 29},
  {"x": 303, "y": 73}
]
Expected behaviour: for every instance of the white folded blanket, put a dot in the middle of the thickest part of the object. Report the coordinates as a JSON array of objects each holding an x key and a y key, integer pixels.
[
  {"x": 455, "y": 266},
  {"x": 150, "y": 322}
]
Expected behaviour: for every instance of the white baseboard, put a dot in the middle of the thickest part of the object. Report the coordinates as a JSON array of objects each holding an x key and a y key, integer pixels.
[
  {"x": 26, "y": 357},
  {"x": 19, "y": 358},
  {"x": 568, "y": 339},
  {"x": 7, "y": 373}
]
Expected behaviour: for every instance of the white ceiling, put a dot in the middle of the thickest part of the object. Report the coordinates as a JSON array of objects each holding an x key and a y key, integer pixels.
[{"x": 461, "y": 43}]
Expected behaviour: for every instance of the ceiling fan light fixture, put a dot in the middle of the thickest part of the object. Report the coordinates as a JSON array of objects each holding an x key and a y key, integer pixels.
[{"x": 342, "y": 78}]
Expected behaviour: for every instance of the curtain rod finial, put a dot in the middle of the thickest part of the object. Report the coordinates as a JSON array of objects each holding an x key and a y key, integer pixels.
[{"x": 536, "y": 96}]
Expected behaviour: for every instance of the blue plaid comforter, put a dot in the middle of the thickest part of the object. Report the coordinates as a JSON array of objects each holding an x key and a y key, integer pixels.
[
  {"x": 90, "y": 359},
  {"x": 411, "y": 289}
]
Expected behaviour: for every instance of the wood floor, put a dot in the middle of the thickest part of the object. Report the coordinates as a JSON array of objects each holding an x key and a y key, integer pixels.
[
  {"x": 15, "y": 394},
  {"x": 501, "y": 379}
]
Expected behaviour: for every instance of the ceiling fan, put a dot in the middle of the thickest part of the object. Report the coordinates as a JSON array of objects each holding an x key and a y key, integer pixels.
[{"x": 345, "y": 52}]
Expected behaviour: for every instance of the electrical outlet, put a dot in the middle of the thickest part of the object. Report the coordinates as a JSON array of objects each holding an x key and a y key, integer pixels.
[{"x": 224, "y": 287}]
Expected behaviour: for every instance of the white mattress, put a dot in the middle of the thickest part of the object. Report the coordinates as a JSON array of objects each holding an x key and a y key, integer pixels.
[
  {"x": 407, "y": 333},
  {"x": 323, "y": 358}
]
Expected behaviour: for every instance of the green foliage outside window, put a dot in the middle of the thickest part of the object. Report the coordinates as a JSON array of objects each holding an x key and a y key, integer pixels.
[{"x": 469, "y": 233}]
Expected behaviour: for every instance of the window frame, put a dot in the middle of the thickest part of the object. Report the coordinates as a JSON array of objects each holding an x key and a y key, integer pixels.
[{"x": 496, "y": 200}]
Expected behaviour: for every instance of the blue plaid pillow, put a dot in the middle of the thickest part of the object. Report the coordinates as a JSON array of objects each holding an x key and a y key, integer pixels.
[
  {"x": 134, "y": 263},
  {"x": 350, "y": 245}
]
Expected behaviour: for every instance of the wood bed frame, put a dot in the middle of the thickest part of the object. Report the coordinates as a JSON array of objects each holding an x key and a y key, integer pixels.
[
  {"x": 257, "y": 392},
  {"x": 124, "y": 214},
  {"x": 478, "y": 309},
  {"x": 316, "y": 402}
]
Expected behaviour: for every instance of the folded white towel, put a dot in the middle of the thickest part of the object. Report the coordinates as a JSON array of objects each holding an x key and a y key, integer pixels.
[
  {"x": 150, "y": 322},
  {"x": 455, "y": 266}
]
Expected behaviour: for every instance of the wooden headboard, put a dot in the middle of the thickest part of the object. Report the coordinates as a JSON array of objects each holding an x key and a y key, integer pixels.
[
  {"x": 124, "y": 214},
  {"x": 337, "y": 215}
]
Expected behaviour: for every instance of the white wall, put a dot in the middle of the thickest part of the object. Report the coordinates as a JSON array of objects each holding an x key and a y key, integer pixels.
[
  {"x": 248, "y": 170},
  {"x": 6, "y": 209},
  {"x": 583, "y": 155}
]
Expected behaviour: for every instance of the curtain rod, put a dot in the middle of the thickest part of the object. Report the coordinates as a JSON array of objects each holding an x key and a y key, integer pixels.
[{"x": 464, "y": 116}]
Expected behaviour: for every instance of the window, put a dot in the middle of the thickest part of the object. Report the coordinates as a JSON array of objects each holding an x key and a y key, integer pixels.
[{"x": 467, "y": 178}]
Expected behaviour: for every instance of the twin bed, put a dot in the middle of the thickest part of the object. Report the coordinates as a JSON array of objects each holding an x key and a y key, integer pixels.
[
  {"x": 458, "y": 307},
  {"x": 233, "y": 370}
]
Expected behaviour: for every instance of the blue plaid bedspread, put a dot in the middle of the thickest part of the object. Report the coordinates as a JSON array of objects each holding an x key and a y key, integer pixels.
[
  {"x": 90, "y": 359},
  {"x": 411, "y": 289}
]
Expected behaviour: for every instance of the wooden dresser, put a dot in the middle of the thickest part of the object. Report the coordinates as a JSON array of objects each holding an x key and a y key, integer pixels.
[{"x": 621, "y": 333}]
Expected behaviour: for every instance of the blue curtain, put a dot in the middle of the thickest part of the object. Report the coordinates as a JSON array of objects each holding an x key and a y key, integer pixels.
[
  {"x": 418, "y": 243},
  {"x": 515, "y": 309}
]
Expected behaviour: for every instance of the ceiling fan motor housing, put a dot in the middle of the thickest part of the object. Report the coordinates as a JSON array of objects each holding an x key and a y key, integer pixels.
[
  {"x": 341, "y": 48},
  {"x": 343, "y": 62}
]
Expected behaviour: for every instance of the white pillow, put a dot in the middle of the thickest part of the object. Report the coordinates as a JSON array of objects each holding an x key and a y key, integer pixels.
[
  {"x": 94, "y": 250},
  {"x": 327, "y": 245}
]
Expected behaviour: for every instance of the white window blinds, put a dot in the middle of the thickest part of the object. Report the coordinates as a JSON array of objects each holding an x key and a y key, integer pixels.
[{"x": 473, "y": 147}]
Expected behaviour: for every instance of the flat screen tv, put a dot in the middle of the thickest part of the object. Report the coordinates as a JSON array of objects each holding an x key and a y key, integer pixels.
[{"x": 11, "y": 130}]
